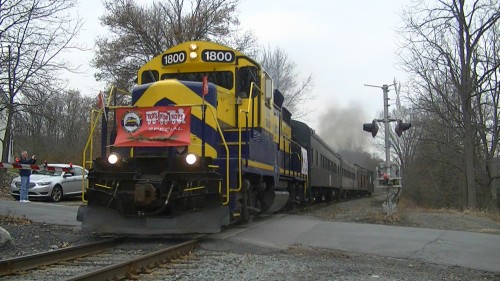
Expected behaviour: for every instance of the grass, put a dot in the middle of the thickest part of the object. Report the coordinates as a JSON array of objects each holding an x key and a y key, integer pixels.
[
  {"x": 12, "y": 220},
  {"x": 405, "y": 204}
]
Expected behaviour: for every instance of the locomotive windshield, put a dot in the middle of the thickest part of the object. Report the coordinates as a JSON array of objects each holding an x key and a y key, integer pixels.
[{"x": 220, "y": 78}]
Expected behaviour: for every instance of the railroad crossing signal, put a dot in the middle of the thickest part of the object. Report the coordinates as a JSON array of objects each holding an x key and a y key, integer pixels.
[
  {"x": 371, "y": 127},
  {"x": 385, "y": 168},
  {"x": 401, "y": 127}
]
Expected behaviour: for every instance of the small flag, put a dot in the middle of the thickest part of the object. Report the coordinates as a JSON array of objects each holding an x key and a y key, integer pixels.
[
  {"x": 205, "y": 85},
  {"x": 100, "y": 100}
]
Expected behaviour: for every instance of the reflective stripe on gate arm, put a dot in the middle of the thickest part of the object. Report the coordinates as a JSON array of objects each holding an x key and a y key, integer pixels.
[{"x": 35, "y": 167}]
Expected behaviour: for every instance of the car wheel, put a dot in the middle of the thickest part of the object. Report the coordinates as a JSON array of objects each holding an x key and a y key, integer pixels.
[
  {"x": 16, "y": 197},
  {"x": 57, "y": 193}
]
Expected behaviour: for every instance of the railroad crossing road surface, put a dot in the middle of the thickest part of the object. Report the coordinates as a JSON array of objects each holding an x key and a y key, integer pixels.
[
  {"x": 41, "y": 212},
  {"x": 458, "y": 248}
]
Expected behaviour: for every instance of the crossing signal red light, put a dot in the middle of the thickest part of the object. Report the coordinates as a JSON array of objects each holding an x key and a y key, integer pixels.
[
  {"x": 371, "y": 127},
  {"x": 401, "y": 127}
]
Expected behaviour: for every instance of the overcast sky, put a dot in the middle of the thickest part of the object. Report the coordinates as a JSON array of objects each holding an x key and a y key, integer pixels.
[{"x": 342, "y": 44}]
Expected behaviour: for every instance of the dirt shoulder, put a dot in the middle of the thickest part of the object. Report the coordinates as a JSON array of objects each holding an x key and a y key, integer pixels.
[{"x": 369, "y": 210}]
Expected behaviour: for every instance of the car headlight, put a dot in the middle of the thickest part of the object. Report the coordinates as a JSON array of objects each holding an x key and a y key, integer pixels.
[
  {"x": 113, "y": 158},
  {"x": 44, "y": 183},
  {"x": 191, "y": 159}
]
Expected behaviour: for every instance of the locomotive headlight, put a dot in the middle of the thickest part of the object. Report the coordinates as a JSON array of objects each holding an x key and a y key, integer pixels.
[
  {"x": 193, "y": 47},
  {"x": 191, "y": 159},
  {"x": 193, "y": 55},
  {"x": 113, "y": 158}
]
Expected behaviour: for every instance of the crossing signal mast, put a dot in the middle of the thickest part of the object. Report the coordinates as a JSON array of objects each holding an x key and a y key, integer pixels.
[{"x": 388, "y": 173}]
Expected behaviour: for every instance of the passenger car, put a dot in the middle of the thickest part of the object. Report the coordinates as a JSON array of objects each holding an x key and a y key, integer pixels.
[{"x": 52, "y": 185}]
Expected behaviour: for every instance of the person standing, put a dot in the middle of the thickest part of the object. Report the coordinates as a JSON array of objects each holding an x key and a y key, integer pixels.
[{"x": 25, "y": 176}]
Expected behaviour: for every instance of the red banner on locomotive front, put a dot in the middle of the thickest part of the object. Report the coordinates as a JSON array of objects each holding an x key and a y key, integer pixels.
[{"x": 153, "y": 126}]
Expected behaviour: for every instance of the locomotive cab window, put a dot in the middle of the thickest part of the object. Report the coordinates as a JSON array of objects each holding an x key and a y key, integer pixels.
[
  {"x": 220, "y": 78},
  {"x": 149, "y": 76},
  {"x": 244, "y": 78}
]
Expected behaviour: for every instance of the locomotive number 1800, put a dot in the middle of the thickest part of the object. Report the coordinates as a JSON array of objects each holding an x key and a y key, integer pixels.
[
  {"x": 173, "y": 58},
  {"x": 217, "y": 56}
]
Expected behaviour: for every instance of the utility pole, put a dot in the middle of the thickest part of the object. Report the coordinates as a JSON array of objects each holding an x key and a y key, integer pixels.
[
  {"x": 5, "y": 127},
  {"x": 386, "y": 121},
  {"x": 388, "y": 173},
  {"x": 6, "y": 135}
]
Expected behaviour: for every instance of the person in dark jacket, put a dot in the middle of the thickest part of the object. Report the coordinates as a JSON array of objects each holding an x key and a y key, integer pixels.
[{"x": 25, "y": 176}]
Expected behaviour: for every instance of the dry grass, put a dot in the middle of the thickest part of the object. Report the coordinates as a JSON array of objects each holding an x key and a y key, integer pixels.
[
  {"x": 380, "y": 218},
  {"x": 12, "y": 220},
  {"x": 482, "y": 213},
  {"x": 406, "y": 205}
]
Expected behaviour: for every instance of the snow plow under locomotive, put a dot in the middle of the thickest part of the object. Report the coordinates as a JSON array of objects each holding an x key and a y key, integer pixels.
[{"x": 205, "y": 142}]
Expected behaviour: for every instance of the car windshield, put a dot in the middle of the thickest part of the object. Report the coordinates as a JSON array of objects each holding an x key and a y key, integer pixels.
[{"x": 48, "y": 173}]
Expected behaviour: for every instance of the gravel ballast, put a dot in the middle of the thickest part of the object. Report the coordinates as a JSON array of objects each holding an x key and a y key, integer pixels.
[{"x": 225, "y": 261}]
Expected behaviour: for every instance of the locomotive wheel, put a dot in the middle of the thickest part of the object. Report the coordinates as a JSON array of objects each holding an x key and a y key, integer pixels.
[{"x": 247, "y": 203}]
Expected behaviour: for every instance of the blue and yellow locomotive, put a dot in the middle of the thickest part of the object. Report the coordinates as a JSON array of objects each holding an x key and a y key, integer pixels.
[{"x": 205, "y": 142}]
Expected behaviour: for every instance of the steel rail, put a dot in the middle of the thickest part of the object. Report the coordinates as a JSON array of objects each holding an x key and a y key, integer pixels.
[
  {"x": 13, "y": 265},
  {"x": 129, "y": 268}
]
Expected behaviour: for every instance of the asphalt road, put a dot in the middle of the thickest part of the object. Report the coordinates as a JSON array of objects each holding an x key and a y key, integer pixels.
[
  {"x": 465, "y": 249},
  {"x": 458, "y": 248},
  {"x": 50, "y": 213}
]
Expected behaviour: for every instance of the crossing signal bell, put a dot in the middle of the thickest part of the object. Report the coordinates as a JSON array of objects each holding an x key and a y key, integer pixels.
[
  {"x": 371, "y": 127},
  {"x": 401, "y": 127}
]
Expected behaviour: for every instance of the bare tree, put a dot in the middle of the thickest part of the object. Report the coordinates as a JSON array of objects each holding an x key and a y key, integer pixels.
[
  {"x": 34, "y": 32},
  {"x": 285, "y": 78},
  {"x": 442, "y": 40},
  {"x": 57, "y": 131},
  {"x": 140, "y": 33},
  {"x": 436, "y": 174},
  {"x": 143, "y": 32},
  {"x": 487, "y": 103}
]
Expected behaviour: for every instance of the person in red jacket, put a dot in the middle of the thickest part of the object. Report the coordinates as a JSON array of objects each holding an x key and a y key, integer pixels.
[
  {"x": 25, "y": 176},
  {"x": 386, "y": 178}
]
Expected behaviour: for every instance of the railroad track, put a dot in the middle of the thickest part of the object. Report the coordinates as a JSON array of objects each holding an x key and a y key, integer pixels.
[
  {"x": 111, "y": 259},
  {"x": 21, "y": 264}
]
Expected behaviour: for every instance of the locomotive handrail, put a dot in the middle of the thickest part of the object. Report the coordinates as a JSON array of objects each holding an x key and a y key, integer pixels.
[
  {"x": 91, "y": 133},
  {"x": 214, "y": 114},
  {"x": 93, "y": 125},
  {"x": 240, "y": 158}
]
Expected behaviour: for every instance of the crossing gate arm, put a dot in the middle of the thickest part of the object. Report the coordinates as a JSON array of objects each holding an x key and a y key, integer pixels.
[{"x": 43, "y": 167}]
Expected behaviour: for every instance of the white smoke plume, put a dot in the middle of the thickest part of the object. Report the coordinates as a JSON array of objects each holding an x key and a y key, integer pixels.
[{"x": 342, "y": 128}]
